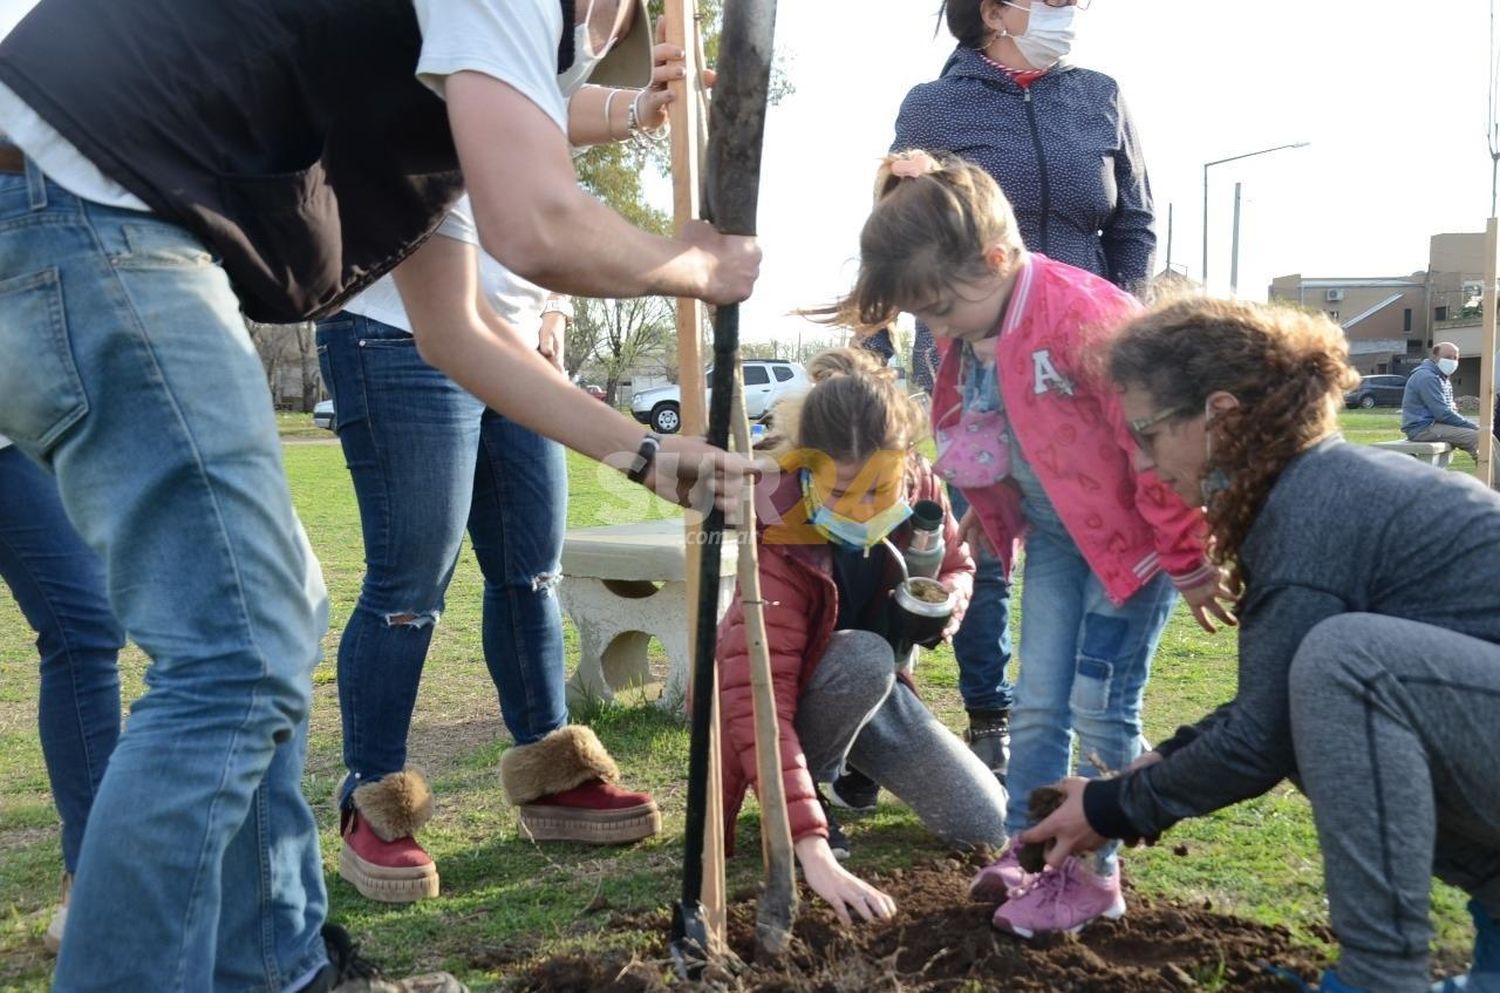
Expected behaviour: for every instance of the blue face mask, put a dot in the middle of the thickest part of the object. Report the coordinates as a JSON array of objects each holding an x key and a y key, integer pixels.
[{"x": 845, "y": 531}]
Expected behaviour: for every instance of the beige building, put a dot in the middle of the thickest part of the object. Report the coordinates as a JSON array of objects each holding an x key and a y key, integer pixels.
[{"x": 1391, "y": 322}]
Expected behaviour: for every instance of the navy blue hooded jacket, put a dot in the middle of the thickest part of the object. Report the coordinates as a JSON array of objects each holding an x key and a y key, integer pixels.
[{"x": 1064, "y": 150}]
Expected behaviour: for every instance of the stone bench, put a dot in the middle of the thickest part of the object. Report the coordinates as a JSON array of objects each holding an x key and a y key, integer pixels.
[
  {"x": 622, "y": 586},
  {"x": 1439, "y": 453}
]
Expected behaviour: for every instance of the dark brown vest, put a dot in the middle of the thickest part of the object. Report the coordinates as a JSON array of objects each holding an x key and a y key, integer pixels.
[{"x": 290, "y": 135}]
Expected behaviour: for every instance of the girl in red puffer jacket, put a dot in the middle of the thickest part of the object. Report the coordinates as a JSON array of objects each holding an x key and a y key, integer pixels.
[{"x": 850, "y": 479}]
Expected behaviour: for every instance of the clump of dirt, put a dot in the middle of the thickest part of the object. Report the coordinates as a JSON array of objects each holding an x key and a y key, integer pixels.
[
  {"x": 1039, "y": 806},
  {"x": 942, "y": 943}
]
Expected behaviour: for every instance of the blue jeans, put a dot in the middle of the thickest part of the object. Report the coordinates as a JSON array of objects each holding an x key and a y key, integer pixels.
[
  {"x": 58, "y": 583},
  {"x": 126, "y": 368},
  {"x": 1084, "y": 666},
  {"x": 982, "y": 643},
  {"x": 427, "y": 459}
]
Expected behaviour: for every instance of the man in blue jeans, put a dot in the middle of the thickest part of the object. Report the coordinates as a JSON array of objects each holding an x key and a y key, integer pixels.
[{"x": 169, "y": 166}]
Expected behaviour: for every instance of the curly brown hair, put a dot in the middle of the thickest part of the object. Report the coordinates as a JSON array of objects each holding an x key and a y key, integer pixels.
[{"x": 1288, "y": 368}]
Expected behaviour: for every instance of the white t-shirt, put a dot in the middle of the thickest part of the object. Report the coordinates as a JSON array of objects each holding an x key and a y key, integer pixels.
[
  {"x": 517, "y": 300},
  {"x": 53, "y": 153},
  {"x": 514, "y": 41}
]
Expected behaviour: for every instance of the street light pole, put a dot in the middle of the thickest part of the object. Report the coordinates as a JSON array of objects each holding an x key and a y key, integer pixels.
[
  {"x": 1233, "y": 158},
  {"x": 1234, "y": 255}
]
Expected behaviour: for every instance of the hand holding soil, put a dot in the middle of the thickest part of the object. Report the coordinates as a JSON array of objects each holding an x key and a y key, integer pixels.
[
  {"x": 1066, "y": 830},
  {"x": 1039, "y": 806}
]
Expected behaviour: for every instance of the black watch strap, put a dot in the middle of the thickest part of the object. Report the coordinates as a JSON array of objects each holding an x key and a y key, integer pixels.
[{"x": 644, "y": 456}]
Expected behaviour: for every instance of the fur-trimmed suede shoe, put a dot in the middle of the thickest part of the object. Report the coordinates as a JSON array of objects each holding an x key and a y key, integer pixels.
[
  {"x": 381, "y": 857},
  {"x": 564, "y": 787}
]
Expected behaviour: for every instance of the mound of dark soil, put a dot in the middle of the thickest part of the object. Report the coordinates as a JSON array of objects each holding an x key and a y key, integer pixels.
[{"x": 942, "y": 943}]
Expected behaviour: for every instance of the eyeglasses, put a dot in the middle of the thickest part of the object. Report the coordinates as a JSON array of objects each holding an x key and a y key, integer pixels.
[
  {"x": 1080, "y": 4},
  {"x": 1141, "y": 425}
]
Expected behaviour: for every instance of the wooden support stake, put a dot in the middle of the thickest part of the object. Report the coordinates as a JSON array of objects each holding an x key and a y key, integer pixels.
[
  {"x": 777, "y": 910},
  {"x": 1487, "y": 346}
]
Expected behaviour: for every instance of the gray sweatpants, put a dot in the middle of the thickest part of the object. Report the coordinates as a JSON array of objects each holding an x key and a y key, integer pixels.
[
  {"x": 1464, "y": 439},
  {"x": 1397, "y": 731},
  {"x": 855, "y": 709}
]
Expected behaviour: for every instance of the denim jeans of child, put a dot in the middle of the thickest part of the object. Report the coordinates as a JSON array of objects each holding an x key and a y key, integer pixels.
[
  {"x": 1084, "y": 666},
  {"x": 982, "y": 644}
]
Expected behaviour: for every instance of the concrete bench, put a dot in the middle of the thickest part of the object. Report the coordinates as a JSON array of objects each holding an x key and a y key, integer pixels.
[
  {"x": 623, "y": 585},
  {"x": 1439, "y": 453}
]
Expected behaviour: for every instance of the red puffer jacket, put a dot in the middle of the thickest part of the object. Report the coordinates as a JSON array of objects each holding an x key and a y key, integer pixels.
[{"x": 797, "y": 585}]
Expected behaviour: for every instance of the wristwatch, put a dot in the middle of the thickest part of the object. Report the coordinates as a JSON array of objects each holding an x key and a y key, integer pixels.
[{"x": 644, "y": 456}]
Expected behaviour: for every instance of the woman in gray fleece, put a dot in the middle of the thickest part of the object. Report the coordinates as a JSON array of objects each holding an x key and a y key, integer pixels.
[{"x": 1369, "y": 643}]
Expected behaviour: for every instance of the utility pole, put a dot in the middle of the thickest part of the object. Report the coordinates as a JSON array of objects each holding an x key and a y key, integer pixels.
[
  {"x": 1232, "y": 158},
  {"x": 1170, "y": 207},
  {"x": 1234, "y": 251}
]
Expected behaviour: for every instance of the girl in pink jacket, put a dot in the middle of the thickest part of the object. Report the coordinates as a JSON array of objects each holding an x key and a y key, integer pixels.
[{"x": 1031, "y": 432}]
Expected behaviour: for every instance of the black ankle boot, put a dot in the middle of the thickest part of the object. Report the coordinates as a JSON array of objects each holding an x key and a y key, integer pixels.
[{"x": 989, "y": 738}]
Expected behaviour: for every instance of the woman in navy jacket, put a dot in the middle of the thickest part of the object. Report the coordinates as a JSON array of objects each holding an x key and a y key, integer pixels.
[{"x": 1057, "y": 138}]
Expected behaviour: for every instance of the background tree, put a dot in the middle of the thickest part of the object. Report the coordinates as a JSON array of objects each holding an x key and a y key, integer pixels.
[
  {"x": 615, "y": 338},
  {"x": 289, "y": 355},
  {"x": 627, "y": 332}
]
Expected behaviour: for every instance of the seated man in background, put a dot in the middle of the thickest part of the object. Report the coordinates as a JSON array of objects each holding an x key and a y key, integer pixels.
[{"x": 1427, "y": 410}]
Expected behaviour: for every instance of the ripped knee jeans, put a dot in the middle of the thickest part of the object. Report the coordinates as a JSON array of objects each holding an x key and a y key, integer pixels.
[{"x": 428, "y": 462}]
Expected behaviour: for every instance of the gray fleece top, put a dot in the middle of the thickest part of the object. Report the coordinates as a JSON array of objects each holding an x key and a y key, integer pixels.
[{"x": 1345, "y": 529}]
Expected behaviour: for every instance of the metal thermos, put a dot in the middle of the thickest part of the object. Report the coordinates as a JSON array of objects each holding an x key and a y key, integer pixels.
[{"x": 924, "y": 556}]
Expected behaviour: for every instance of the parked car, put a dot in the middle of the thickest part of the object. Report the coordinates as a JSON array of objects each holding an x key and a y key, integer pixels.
[
  {"x": 594, "y": 390},
  {"x": 766, "y": 381},
  {"x": 1377, "y": 391},
  {"x": 323, "y": 414}
]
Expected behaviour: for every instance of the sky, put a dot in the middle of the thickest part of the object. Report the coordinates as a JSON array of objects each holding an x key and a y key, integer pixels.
[{"x": 1391, "y": 95}]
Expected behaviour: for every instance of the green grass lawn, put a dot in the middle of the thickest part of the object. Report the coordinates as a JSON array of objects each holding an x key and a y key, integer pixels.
[{"x": 505, "y": 899}]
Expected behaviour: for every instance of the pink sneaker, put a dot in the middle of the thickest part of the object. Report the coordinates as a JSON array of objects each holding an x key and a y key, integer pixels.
[
  {"x": 1065, "y": 899},
  {"x": 1001, "y": 877}
]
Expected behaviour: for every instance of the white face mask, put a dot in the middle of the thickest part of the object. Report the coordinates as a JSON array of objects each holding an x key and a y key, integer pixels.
[
  {"x": 585, "y": 59},
  {"x": 1048, "y": 37},
  {"x": 1447, "y": 366}
]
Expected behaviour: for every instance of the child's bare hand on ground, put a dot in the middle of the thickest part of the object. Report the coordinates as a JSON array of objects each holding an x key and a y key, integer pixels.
[
  {"x": 839, "y": 888},
  {"x": 1067, "y": 828}
]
